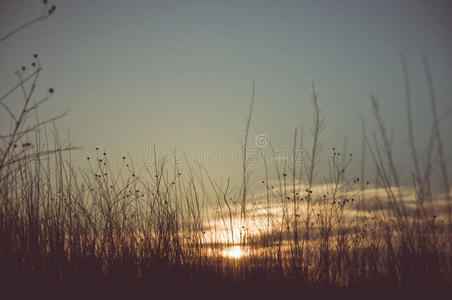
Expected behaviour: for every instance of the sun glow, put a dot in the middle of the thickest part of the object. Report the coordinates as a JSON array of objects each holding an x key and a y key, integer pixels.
[{"x": 235, "y": 252}]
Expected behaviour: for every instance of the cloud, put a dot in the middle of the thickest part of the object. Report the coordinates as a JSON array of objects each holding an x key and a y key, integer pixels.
[{"x": 354, "y": 209}]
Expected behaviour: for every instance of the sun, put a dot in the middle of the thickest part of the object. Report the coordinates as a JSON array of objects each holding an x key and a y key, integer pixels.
[{"x": 235, "y": 252}]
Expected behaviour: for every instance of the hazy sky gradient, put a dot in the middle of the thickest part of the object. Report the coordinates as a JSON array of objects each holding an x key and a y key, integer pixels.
[{"x": 178, "y": 73}]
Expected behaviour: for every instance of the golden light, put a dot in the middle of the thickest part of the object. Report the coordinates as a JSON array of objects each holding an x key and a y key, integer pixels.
[{"x": 235, "y": 252}]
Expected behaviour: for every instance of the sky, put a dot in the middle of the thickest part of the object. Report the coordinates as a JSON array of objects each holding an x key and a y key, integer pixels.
[{"x": 178, "y": 74}]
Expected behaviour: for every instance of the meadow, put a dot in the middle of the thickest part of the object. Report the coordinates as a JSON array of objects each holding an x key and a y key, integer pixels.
[{"x": 114, "y": 224}]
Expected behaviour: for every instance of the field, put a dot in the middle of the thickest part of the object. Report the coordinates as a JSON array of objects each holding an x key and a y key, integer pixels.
[{"x": 116, "y": 226}]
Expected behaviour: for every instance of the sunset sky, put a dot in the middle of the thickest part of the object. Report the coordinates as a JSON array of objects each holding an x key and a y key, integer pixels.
[{"x": 179, "y": 73}]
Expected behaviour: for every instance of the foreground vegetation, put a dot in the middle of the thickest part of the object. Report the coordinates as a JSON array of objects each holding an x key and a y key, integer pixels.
[{"x": 147, "y": 228}]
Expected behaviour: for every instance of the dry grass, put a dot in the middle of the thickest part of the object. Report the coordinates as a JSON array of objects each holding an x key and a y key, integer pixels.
[{"x": 146, "y": 228}]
